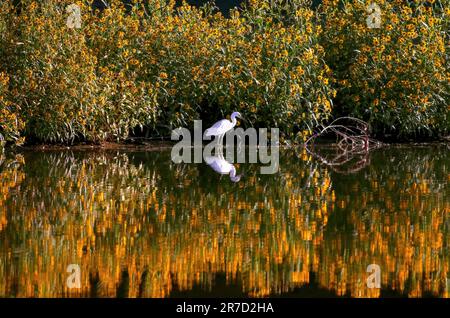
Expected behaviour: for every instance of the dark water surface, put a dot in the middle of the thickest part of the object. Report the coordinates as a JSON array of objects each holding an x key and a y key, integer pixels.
[{"x": 138, "y": 225}]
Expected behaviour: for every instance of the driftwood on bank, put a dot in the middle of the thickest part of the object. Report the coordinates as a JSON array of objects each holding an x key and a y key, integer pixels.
[{"x": 353, "y": 144}]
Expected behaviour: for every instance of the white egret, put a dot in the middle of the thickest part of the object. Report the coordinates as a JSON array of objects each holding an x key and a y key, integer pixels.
[
  {"x": 220, "y": 165},
  {"x": 220, "y": 128}
]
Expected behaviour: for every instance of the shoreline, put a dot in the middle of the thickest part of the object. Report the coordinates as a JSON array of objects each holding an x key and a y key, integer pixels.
[{"x": 166, "y": 145}]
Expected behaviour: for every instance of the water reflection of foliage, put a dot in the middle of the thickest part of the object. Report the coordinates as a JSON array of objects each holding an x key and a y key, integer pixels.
[
  {"x": 399, "y": 223},
  {"x": 136, "y": 220}
]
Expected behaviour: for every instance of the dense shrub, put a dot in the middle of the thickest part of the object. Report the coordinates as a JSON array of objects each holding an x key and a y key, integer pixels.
[
  {"x": 10, "y": 120},
  {"x": 396, "y": 76},
  {"x": 64, "y": 92},
  {"x": 269, "y": 66},
  {"x": 256, "y": 62},
  {"x": 159, "y": 63}
]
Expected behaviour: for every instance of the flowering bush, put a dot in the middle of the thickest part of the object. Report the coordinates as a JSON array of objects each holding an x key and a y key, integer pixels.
[
  {"x": 156, "y": 63},
  {"x": 10, "y": 121},
  {"x": 127, "y": 98},
  {"x": 273, "y": 69},
  {"x": 64, "y": 91},
  {"x": 395, "y": 76},
  {"x": 268, "y": 67}
]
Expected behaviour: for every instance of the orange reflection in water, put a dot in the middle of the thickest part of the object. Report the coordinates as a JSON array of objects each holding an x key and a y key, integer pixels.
[{"x": 140, "y": 226}]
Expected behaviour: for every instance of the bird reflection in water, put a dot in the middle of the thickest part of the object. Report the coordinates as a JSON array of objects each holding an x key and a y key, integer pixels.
[
  {"x": 220, "y": 165},
  {"x": 218, "y": 162}
]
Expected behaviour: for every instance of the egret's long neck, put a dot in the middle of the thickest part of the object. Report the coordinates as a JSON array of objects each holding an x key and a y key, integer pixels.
[{"x": 233, "y": 120}]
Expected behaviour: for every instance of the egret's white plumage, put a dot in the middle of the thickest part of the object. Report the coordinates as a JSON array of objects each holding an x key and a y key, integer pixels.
[
  {"x": 222, "y": 126},
  {"x": 218, "y": 163}
]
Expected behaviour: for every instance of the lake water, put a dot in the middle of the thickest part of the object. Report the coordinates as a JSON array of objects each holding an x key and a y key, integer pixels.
[{"x": 137, "y": 225}]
